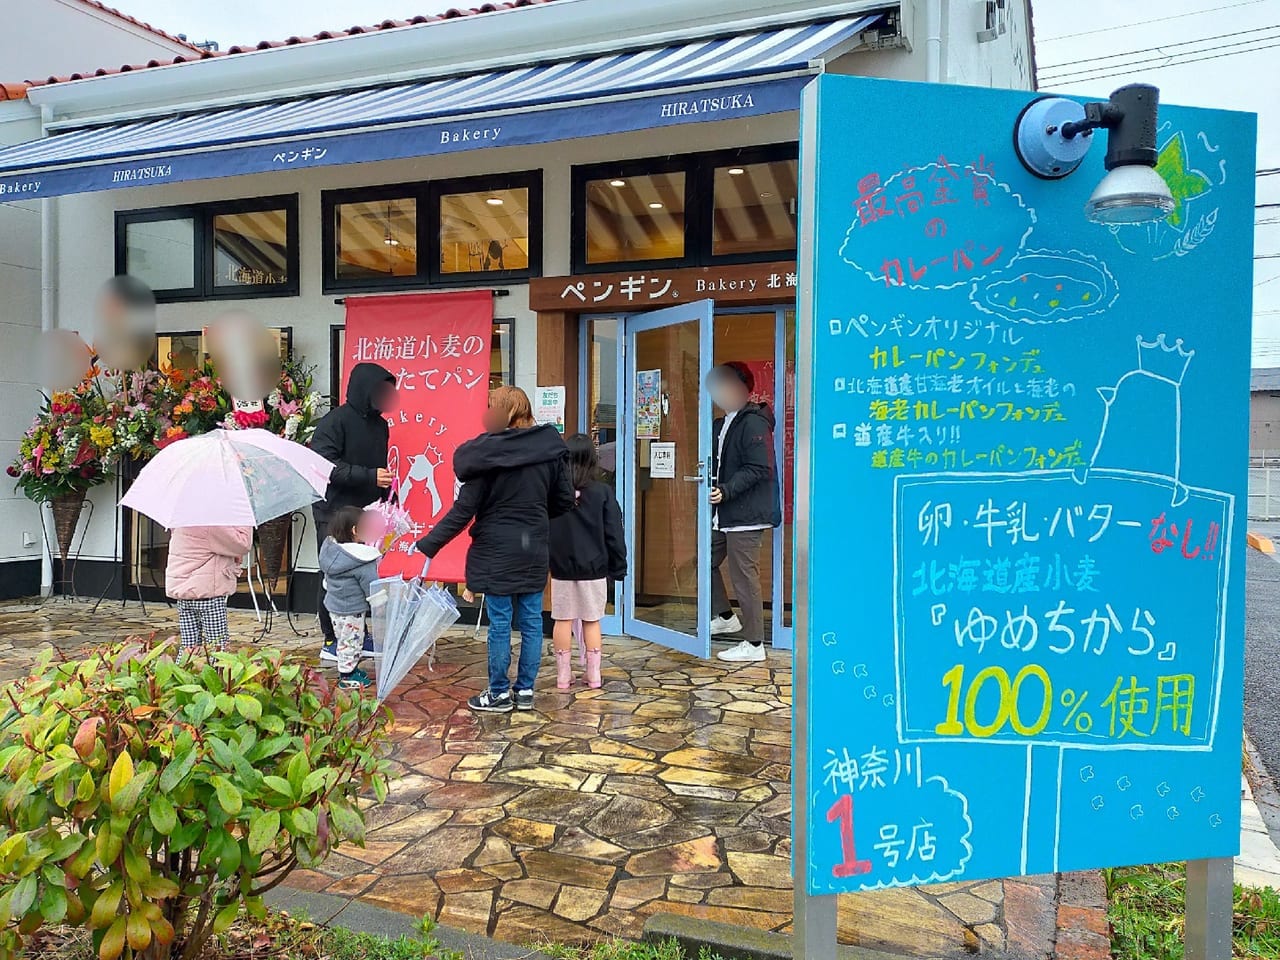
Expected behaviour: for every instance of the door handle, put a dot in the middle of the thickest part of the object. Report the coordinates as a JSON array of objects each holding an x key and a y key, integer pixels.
[{"x": 700, "y": 478}]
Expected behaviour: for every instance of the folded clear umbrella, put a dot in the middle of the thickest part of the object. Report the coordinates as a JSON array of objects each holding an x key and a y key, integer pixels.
[{"x": 407, "y": 620}]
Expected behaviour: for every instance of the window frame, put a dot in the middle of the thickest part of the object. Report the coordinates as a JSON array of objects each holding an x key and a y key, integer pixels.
[
  {"x": 699, "y": 170},
  {"x": 427, "y": 195},
  {"x": 204, "y": 217}
]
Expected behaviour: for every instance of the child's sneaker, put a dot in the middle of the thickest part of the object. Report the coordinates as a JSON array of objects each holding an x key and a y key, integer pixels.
[
  {"x": 488, "y": 702},
  {"x": 329, "y": 652},
  {"x": 357, "y": 679}
]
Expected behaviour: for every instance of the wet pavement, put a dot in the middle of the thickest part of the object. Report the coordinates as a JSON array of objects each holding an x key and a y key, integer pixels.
[{"x": 666, "y": 791}]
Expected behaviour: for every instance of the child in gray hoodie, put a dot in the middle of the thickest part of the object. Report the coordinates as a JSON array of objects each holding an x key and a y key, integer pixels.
[{"x": 349, "y": 566}]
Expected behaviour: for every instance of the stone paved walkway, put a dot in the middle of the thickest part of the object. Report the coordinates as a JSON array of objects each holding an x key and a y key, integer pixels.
[{"x": 666, "y": 791}]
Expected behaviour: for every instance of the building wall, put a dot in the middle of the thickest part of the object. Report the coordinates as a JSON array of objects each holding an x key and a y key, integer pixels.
[
  {"x": 58, "y": 37},
  {"x": 86, "y": 252}
]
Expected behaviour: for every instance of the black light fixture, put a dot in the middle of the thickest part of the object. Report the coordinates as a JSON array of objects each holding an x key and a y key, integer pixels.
[{"x": 1052, "y": 135}]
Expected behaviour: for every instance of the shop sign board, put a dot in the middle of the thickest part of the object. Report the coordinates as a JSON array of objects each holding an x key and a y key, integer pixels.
[
  {"x": 1021, "y": 498},
  {"x": 732, "y": 284}
]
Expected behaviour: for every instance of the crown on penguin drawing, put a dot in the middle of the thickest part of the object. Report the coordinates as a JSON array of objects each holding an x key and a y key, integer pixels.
[{"x": 1160, "y": 359}]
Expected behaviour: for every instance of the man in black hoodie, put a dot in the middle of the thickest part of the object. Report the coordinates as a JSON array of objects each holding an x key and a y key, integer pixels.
[
  {"x": 354, "y": 438},
  {"x": 514, "y": 478},
  {"x": 746, "y": 505}
]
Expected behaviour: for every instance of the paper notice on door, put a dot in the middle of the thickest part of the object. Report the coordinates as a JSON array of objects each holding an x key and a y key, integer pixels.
[
  {"x": 548, "y": 406},
  {"x": 662, "y": 461},
  {"x": 648, "y": 404}
]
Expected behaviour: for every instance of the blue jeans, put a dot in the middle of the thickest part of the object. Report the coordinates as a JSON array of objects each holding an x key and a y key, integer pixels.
[{"x": 526, "y": 610}]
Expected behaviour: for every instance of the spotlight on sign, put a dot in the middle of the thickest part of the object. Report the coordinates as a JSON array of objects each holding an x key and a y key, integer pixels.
[{"x": 1052, "y": 135}]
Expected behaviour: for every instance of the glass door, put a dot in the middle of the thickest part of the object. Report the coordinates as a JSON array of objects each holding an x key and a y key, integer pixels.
[{"x": 665, "y": 445}]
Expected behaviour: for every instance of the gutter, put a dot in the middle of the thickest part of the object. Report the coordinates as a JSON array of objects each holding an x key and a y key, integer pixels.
[
  {"x": 537, "y": 35},
  {"x": 48, "y": 321}
]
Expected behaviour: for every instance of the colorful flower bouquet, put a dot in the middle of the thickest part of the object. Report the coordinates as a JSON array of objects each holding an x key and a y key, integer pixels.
[{"x": 69, "y": 446}]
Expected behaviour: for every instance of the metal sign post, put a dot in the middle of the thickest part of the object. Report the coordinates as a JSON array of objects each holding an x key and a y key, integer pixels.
[{"x": 1210, "y": 892}]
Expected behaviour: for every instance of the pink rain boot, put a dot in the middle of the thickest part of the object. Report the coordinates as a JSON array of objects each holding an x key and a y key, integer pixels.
[
  {"x": 564, "y": 669},
  {"x": 593, "y": 669}
]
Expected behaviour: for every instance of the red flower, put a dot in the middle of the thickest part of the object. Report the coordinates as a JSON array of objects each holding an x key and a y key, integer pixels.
[
  {"x": 251, "y": 421},
  {"x": 12, "y": 471}
]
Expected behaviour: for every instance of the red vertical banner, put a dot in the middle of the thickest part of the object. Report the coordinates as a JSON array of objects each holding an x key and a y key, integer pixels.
[{"x": 438, "y": 346}]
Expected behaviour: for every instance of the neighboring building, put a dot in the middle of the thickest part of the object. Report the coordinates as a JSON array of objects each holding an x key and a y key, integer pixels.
[
  {"x": 603, "y": 150},
  {"x": 1264, "y": 412},
  {"x": 50, "y": 38}
]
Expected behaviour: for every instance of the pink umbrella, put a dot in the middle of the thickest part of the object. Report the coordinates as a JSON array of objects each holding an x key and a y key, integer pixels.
[{"x": 228, "y": 478}]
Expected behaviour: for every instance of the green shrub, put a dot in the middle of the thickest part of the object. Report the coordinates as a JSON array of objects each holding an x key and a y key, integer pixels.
[{"x": 148, "y": 797}]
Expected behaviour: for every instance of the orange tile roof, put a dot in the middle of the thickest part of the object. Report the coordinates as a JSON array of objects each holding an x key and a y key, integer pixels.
[{"x": 18, "y": 91}]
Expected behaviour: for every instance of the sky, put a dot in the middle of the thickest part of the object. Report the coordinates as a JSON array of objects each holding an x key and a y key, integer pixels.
[{"x": 1206, "y": 53}]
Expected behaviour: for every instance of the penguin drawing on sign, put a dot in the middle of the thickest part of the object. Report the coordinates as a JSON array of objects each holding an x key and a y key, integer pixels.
[{"x": 1142, "y": 417}]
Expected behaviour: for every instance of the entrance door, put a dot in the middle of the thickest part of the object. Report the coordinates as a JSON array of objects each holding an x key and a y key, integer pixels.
[{"x": 666, "y": 462}]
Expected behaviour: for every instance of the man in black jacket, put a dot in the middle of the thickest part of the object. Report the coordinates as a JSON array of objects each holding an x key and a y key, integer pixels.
[
  {"x": 354, "y": 438},
  {"x": 744, "y": 495},
  {"x": 514, "y": 479}
]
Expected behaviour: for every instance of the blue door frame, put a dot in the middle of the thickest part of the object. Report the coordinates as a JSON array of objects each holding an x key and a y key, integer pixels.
[{"x": 622, "y": 620}]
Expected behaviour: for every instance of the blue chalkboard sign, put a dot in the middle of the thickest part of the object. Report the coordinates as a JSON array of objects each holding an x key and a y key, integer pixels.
[{"x": 1025, "y": 476}]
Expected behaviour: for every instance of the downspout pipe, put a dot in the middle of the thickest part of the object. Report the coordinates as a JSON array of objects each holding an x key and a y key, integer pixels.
[
  {"x": 933, "y": 46},
  {"x": 48, "y": 321}
]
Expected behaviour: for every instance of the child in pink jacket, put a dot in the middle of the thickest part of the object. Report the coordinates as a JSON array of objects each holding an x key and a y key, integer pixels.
[{"x": 204, "y": 565}]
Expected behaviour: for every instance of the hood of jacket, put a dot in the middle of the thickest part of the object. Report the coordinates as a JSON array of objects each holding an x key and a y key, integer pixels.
[
  {"x": 364, "y": 380},
  {"x": 761, "y": 410},
  {"x": 507, "y": 450},
  {"x": 341, "y": 558}
]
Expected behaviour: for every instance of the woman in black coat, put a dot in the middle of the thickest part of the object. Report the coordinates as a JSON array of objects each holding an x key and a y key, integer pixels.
[{"x": 514, "y": 479}]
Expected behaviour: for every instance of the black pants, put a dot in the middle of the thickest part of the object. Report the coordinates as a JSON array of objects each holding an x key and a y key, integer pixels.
[{"x": 326, "y": 622}]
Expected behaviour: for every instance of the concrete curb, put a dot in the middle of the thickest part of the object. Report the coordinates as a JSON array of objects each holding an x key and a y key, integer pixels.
[
  {"x": 1260, "y": 543},
  {"x": 735, "y": 943},
  {"x": 1266, "y": 794},
  {"x": 330, "y": 911}
]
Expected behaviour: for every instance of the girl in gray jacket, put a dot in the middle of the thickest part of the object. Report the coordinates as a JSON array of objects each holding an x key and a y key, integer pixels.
[{"x": 349, "y": 566}]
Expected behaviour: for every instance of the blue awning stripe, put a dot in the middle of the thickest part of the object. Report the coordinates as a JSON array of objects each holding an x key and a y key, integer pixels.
[{"x": 633, "y": 81}]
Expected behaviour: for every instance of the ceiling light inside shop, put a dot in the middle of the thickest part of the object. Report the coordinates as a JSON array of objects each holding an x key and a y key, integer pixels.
[
  {"x": 494, "y": 201},
  {"x": 736, "y": 171},
  {"x": 617, "y": 183},
  {"x": 655, "y": 205}
]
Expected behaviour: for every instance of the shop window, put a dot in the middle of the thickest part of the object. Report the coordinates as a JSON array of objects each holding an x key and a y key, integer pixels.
[
  {"x": 375, "y": 239},
  {"x": 236, "y": 249},
  {"x": 458, "y": 232},
  {"x": 161, "y": 252},
  {"x": 693, "y": 210},
  {"x": 754, "y": 209},
  {"x": 632, "y": 219}
]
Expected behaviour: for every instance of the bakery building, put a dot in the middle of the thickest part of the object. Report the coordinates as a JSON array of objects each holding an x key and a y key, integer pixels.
[{"x": 623, "y": 177}]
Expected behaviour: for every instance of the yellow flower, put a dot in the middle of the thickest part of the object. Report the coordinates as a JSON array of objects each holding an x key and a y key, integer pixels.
[{"x": 103, "y": 437}]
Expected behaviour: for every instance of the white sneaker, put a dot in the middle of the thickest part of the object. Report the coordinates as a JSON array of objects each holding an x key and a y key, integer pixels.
[
  {"x": 743, "y": 653},
  {"x": 723, "y": 626}
]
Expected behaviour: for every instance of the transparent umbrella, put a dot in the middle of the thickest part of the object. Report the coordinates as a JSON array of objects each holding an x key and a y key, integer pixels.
[{"x": 407, "y": 620}]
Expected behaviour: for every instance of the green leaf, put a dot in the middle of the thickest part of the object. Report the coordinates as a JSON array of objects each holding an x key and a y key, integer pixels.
[
  {"x": 225, "y": 703},
  {"x": 24, "y": 895},
  {"x": 127, "y": 798},
  {"x": 139, "y": 931},
  {"x": 226, "y": 917},
  {"x": 229, "y": 798},
  {"x": 108, "y": 844},
  {"x": 299, "y": 767},
  {"x": 248, "y": 707},
  {"x": 186, "y": 835},
  {"x": 349, "y": 823},
  {"x": 121, "y": 774},
  {"x": 273, "y": 724},
  {"x": 106, "y": 906},
  {"x": 315, "y": 780},
  {"x": 305, "y": 823},
  {"x": 160, "y": 888},
  {"x": 85, "y": 788},
  {"x": 230, "y": 856},
  {"x": 113, "y": 941},
  {"x": 280, "y": 785},
  {"x": 263, "y": 831},
  {"x": 177, "y": 770},
  {"x": 136, "y": 866},
  {"x": 200, "y": 708},
  {"x": 163, "y": 816},
  {"x": 53, "y": 907}
]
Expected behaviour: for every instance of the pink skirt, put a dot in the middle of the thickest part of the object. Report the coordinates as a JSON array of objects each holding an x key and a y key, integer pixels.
[{"x": 583, "y": 600}]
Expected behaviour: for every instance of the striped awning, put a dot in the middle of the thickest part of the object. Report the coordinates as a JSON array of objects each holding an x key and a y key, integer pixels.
[{"x": 716, "y": 79}]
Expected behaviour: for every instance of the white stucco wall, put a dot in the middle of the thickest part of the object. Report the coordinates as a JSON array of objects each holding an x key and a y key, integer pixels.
[{"x": 60, "y": 37}]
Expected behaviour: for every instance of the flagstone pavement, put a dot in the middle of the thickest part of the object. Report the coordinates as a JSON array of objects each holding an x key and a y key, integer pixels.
[{"x": 666, "y": 791}]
